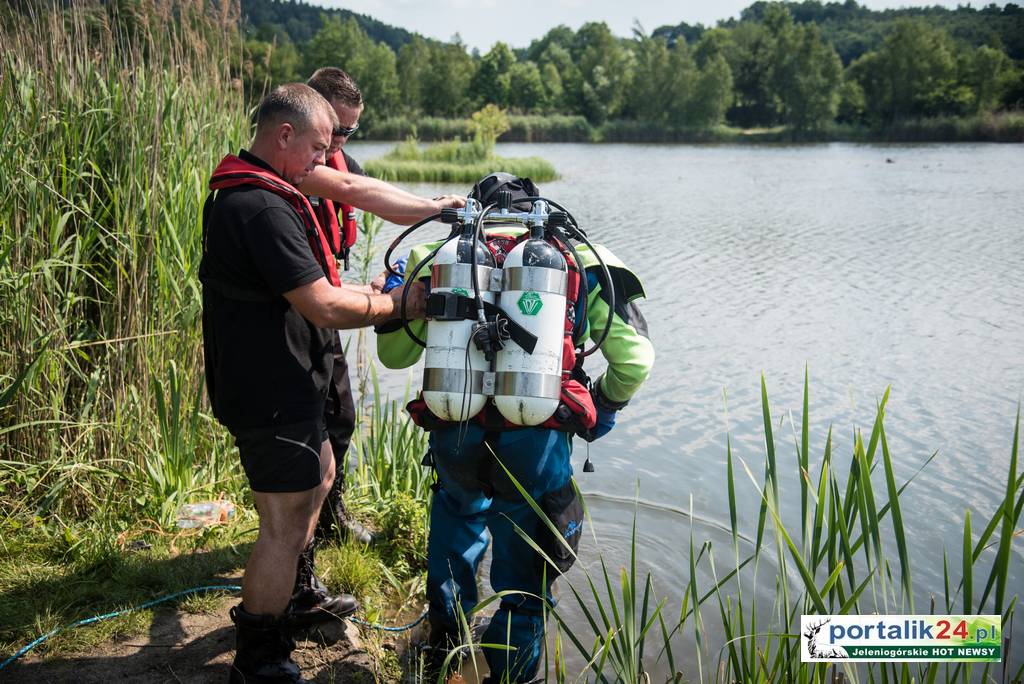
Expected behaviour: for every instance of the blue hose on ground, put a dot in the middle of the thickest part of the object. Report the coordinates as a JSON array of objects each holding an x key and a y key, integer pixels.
[{"x": 171, "y": 597}]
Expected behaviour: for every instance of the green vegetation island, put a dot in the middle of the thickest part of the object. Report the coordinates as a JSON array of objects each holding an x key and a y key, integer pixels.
[{"x": 792, "y": 71}]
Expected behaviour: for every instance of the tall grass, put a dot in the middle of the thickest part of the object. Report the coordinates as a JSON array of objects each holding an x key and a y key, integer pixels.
[
  {"x": 836, "y": 559},
  {"x": 453, "y": 161},
  {"x": 523, "y": 128},
  {"x": 114, "y": 115}
]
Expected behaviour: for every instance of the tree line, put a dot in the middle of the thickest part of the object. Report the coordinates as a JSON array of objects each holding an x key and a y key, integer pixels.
[{"x": 789, "y": 64}]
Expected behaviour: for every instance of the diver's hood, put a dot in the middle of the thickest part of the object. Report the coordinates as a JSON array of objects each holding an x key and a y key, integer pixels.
[{"x": 486, "y": 189}]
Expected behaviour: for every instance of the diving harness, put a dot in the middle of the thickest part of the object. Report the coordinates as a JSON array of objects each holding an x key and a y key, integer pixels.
[{"x": 504, "y": 327}]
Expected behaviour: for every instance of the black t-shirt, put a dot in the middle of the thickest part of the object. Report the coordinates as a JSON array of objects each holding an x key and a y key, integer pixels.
[{"x": 265, "y": 364}]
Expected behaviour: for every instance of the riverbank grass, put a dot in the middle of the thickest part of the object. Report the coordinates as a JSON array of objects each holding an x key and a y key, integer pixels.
[
  {"x": 1006, "y": 126},
  {"x": 837, "y": 559}
]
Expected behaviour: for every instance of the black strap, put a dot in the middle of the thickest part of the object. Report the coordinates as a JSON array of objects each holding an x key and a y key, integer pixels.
[{"x": 450, "y": 306}]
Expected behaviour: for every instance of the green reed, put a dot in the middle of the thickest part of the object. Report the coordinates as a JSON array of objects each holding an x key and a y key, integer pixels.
[
  {"x": 453, "y": 162},
  {"x": 115, "y": 115},
  {"x": 835, "y": 559}
]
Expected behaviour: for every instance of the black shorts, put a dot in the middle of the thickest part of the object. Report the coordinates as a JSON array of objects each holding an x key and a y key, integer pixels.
[{"x": 284, "y": 458}]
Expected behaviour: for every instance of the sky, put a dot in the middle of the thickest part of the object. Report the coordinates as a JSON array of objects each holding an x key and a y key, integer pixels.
[{"x": 517, "y": 22}]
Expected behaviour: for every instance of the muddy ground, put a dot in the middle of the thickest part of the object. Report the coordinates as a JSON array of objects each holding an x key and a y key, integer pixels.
[{"x": 186, "y": 647}]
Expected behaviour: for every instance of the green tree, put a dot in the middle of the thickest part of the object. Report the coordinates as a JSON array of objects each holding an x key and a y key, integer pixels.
[
  {"x": 851, "y": 101},
  {"x": 712, "y": 93},
  {"x": 412, "y": 66},
  {"x": 652, "y": 90},
  {"x": 913, "y": 74},
  {"x": 373, "y": 65},
  {"x": 491, "y": 84},
  {"x": 606, "y": 71},
  {"x": 268, "y": 64},
  {"x": 526, "y": 89},
  {"x": 987, "y": 72},
  {"x": 554, "y": 91},
  {"x": 561, "y": 77},
  {"x": 446, "y": 81},
  {"x": 806, "y": 77},
  {"x": 488, "y": 124},
  {"x": 749, "y": 52}
]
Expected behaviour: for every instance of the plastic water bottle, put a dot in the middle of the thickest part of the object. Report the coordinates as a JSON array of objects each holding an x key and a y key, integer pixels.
[{"x": 205, "y": 513}]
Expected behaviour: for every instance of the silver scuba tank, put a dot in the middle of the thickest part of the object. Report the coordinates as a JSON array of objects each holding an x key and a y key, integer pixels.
[
  {"x": 533, "y": 294},
  {"x": 454, "y": 368}
]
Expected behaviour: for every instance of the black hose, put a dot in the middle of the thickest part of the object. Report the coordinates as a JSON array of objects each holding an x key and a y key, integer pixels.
[
  {"x": 477, "y": 232},
  {"x": 394, "y": 243}
]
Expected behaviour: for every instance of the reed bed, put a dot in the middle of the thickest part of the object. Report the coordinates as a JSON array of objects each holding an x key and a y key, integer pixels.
[
  {"x": 115, "y": 114},
  {"x": 522, "y": 128},
  {"x": 453, "y": 162},
  {"x": 836, "y": 559}
]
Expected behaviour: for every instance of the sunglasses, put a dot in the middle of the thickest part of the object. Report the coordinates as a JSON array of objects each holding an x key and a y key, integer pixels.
[{"x": 342, "y": 132}]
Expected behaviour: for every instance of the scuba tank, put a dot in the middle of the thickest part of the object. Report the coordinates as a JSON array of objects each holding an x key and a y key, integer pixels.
[
  {"x": 519, "y": 354},
  {"x": 533, "y": 295},
  {"x": 453, "y": 373}
]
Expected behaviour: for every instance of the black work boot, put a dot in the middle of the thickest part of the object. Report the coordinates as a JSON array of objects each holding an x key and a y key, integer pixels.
[
  {"x": 263, "y": 648},
  {"x": 336, "y": 524},
  {"x": 311, "y": 602}
]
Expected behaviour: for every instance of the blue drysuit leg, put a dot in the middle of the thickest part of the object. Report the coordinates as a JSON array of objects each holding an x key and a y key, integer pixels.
[
  {"x": 455, "y": 546},
  {"x": 539, "y": 461}
]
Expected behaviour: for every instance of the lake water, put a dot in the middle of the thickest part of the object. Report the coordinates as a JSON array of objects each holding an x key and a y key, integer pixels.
[{"x": 871, "y": 265}]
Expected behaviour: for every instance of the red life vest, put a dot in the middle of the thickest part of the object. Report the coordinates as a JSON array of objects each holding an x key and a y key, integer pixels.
[
  {"x": 576, "y": 410},
  {"x": 340, "y": 235},
  {"x": 233, "y": 172}
]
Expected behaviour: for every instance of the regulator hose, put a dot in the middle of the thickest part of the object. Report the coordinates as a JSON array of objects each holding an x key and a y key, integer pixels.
[
  {"x": 405, "y": 233},
  {"x": 477, "y": 234}
]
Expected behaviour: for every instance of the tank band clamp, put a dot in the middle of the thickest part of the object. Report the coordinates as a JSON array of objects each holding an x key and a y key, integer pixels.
[{"x": 450, "y": 306}]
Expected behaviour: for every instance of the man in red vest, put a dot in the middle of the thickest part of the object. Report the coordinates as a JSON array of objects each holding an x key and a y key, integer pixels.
[
  {"x": 272, "y": 305},
  {"x": 339, "y": 222}
]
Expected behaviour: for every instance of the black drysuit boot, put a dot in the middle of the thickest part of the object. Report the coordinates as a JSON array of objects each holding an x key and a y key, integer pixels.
[
  {"x": 335, "y": 523},
  {"x": 311, "y": 602},
  {"x": 263, "y": 648}
]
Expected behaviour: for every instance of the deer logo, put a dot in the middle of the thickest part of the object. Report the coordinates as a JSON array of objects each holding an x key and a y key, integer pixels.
[{"x": 814, "y": 651}]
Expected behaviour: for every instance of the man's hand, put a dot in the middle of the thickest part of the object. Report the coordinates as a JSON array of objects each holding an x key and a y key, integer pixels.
[
  {"x": 415, "y": 303},
  {"x": 377, "y": 284},
  {"x": 450, "y": 202}
]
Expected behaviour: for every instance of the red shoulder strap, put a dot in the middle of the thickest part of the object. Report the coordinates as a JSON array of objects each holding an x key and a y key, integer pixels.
[
  {"x": 233, "y": 172},
  {"x": 348, "y": 230}
]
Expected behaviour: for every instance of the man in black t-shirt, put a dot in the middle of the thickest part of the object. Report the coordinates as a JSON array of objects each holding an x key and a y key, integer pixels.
[
  {"x": 271, "y": 307},
  {"x": 344, "y": 96}
]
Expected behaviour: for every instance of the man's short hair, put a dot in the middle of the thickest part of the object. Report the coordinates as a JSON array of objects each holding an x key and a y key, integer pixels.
[
  {"x": 294, "y": 103},
  {"x": 334, "y": 84}
]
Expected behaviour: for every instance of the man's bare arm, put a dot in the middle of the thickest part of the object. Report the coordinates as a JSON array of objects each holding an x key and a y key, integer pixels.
[
  {"x": 369, "y": 194},
  {"x": 342, "y": 308}
]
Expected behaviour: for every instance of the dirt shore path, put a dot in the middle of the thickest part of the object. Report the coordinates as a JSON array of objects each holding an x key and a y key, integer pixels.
[{"x": 187, "y": 647}]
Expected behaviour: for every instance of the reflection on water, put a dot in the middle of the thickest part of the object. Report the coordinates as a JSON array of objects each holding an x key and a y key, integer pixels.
[{"x": 757, "y": 260}]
